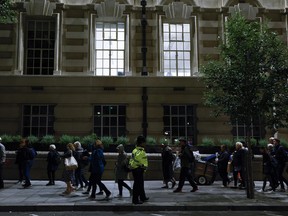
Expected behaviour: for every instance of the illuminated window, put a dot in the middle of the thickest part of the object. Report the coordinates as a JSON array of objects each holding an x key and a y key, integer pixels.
[
  {"x": 176, "y": 50},
  {"x": 110, "y": 49}
]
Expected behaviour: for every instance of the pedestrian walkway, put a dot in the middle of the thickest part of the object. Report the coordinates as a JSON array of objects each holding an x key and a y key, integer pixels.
[{"x": 213, "y": 197}]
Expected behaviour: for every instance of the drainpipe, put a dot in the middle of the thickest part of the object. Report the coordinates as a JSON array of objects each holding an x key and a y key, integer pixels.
[{"x": 144, "y": 68}]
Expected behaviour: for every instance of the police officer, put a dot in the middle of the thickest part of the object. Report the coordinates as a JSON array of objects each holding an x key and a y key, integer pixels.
[{"x": 138, "y": 164}]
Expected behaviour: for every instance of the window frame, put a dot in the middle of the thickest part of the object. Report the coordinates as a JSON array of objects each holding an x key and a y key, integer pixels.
[
  {"x": 93, "y": 64},
  {"x": 48, "y": 127},
  {"x": 175, "y": 39},
  {"x": 106, "y": 120},
  {"x": 238, "y": 127},
  {"x": 188, "y": 123},
  {"x": 31, "y": 54}
]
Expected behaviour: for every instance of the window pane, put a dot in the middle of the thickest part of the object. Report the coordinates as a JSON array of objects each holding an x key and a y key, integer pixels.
[
  {"x": 114, "y": 118},
  {"x": 38, "y": 121},
  {"x": 176, "y": 38},
  {"x": 40, "y": 42},
  {"x": 181, "y": 124},
  {"x": 113, "y": 42}
]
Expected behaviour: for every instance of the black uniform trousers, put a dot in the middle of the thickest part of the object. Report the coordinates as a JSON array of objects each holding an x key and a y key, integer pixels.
[{"x": 138, "y": 186}]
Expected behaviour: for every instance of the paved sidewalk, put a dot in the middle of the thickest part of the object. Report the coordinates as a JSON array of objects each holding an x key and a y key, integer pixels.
[{"x": 213, "y": 197}]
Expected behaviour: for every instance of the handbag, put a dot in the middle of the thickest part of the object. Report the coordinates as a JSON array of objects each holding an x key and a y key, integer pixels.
[
  {"x": 177, "y": 164},
  {"x": 70, "y": 163}
]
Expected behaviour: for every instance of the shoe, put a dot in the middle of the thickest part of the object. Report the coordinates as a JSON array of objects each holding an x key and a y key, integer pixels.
[
  {"x": 137, "y": 203},
  {"x": 27, "y": 186},
  {"x": 260, "y": 191},
  {"x": 269, "y": 191},
  {"x": 49, "y": 183},
  {"x": 177, "y": 191},
  {"x": 145, "y": 200},
  {"x": 86, "y": 192},
  {"x": 91, "y": 197},
  {"x": 80, "y": 189},
  {"x": 282, "y": 190},
  {"x": 164, "y": 187},
  {"x": 194, "y": 189},
  {"x": 173, "y": 184},
  {"x": 65, "y": 193},
  {"x": 108, "y": 195},
  {"x": 99, "y": 193},
  {"x": 119, "y": 196}
]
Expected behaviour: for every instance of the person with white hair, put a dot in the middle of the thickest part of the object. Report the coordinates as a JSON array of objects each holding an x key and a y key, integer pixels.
[
  {"x": 2, "y": 161},
  {"x": 53, "y": 161},
  {"x": 238, "y": 164}
]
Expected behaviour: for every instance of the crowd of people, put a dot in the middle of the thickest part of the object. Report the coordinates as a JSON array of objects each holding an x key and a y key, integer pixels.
[
  {"x": 274, "y": 164},
  {"x": 274, "y": 167},
  {"x": 231, "y": 166}
]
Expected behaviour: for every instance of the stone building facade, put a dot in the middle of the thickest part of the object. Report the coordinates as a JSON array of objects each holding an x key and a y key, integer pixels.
[{"x": 76, "y": 66}]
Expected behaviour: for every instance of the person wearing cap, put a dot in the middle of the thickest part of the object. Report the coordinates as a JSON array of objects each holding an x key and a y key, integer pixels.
[
  {"x": 187, "y": 160},
  {"x": 53, "y": 160},
  {"x": 139, "y": 164},
  {"x": 281, "y": 157},
  {"x": 121, "y": 171},
  {"x": 2, "y": 161}
]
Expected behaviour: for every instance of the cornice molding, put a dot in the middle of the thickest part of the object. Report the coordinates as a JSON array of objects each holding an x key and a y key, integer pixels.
[
  {"x": 40, "y": 7},
  {"x": 177, "y": 10}
]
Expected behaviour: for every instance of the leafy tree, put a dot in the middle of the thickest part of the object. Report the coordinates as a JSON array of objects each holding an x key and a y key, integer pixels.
[
  {"x": 7, "y": 11},
  {"x": 250, "y": 78}
]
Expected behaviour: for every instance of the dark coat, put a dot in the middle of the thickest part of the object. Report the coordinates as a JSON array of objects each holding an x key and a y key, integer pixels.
[
  {"x": 52, "y": 160},
  {"x": 167, "y": 163},
  {"x": 223, "y": 160}
]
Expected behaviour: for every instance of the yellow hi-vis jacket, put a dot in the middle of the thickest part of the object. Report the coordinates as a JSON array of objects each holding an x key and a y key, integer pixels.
[{"x": 138, "y": 158}]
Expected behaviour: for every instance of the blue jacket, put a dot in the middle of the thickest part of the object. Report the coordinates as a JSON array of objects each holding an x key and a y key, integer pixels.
[{"x": 97, "y": 161}]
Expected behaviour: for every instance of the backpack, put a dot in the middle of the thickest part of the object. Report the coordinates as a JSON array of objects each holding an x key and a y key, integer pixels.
[{"x": 32, "y": 153}]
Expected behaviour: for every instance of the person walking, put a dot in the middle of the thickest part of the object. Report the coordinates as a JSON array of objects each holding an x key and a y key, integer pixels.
[
  {"x": 2, "y": 162},
  {"x": 121, "y": 171},
  {"x": 187, "y": 163},
  {"x": 138, "y": 164},
  {"x": 280, "y": 155},
  {"x": 53, "y": 160},
  {"x": 268, "y": 169},
  {"x": 26, "y": 155},
  {"x": 68, "y": 175},
  {"x": 167, "y": 166},
  {"x": 79, "y": 171},
  {"x": 238, "y": 165},
  {"x": 97, "y": 164},
  {"x": 222, "y": 164}
]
